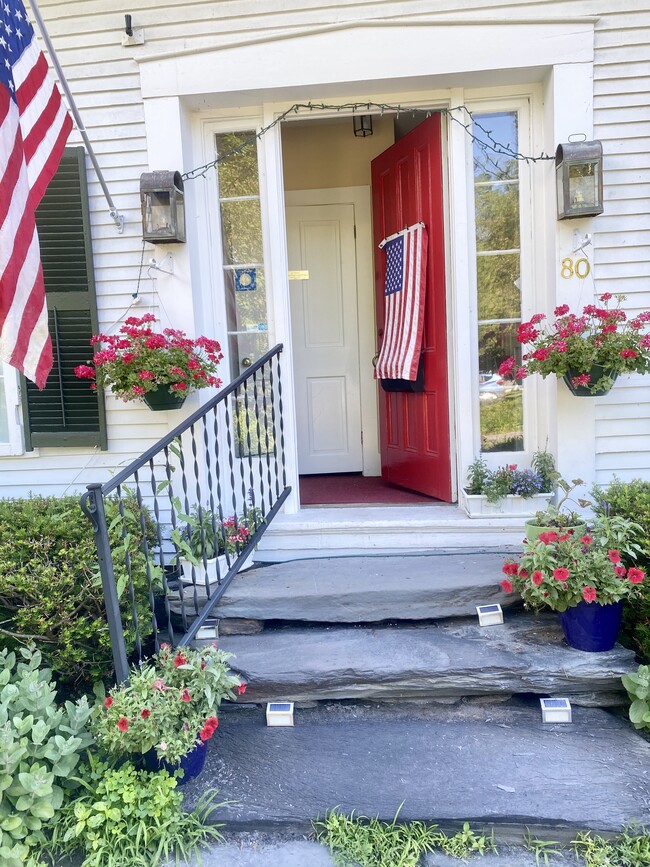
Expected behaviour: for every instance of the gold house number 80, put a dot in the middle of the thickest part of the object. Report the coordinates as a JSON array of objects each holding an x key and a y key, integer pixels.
[{"x": 580, "y": 268}]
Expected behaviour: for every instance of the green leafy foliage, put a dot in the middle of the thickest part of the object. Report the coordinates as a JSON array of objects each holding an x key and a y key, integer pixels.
[
  {"x": 508, "y": 479},
  {"x": 50, "y": 589},
  {"x": 40, "y": 746},
  {"x": 629, "y": 849},
  {"x": 131, "y": 818},
  {"x": 638, "y": 690},
  {"x": 631, "y": 500},
  {"x": 357, "y": 840}
]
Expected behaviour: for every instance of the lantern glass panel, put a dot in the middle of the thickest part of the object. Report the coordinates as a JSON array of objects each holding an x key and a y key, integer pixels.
[
  {"x": 158, "y": 213},
  {"x": 583, "y": 185}
]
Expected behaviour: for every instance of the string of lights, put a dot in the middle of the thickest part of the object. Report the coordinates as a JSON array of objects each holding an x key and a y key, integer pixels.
[{"x": 460, "y": 114}]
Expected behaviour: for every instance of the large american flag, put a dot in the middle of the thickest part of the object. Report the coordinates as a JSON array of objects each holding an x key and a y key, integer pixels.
[
  {"x": 406, "y": 267},
  {"x": 34, "y": 127}
]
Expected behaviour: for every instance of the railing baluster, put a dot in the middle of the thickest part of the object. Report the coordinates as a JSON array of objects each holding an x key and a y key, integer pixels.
[{"x": 185, "y": 474}]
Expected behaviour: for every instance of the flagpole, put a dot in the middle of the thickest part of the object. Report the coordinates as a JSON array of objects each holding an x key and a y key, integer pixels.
[{"x": 115, "y": 214}]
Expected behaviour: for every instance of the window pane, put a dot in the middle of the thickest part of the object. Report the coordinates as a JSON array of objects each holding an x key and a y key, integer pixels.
[
  {"x": 490, "y": 128},
  {"x": 497, "y": 217},
  {"x": 4, "y": 422},
  {"x": 245, "y": 348},
  {"x": 237, "y": 173},
  {"x": 246, "y": 299},
  {"x": 498, "y": 286},
  {"x": 242, "y": 232},
  {"x": 500, "y": 399}
]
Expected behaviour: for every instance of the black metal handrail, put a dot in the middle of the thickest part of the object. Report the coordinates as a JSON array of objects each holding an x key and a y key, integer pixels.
[{"x": 209, "y": 487}]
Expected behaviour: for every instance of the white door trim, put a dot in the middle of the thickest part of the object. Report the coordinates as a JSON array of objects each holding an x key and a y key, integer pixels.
[{"x": 360, "y": 198}]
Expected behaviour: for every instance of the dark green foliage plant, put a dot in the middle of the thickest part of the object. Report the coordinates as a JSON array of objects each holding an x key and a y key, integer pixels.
[
  {"x": 631, "y": 500},
  {"x": 509, "y": 479},
  {"x": 50, "y": 589},
  {"x": 126, "y": 817},
  {"x": 41, "y": 743}
]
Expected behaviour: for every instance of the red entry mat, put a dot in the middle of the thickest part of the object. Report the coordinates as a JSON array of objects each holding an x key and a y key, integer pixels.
[{"x": 335, "y": 489}]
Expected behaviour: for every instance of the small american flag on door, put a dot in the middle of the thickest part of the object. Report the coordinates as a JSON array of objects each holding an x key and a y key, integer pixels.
[{"x": 406, "y": 266}]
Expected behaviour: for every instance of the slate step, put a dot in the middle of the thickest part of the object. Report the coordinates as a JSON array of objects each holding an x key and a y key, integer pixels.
[
  {"x": 493, "y": 765},
  {"x": 445, "y": 660},
  {"x": 365, "y": 589}
]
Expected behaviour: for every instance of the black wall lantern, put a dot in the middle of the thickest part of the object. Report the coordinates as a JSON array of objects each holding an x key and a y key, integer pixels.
[
  {"x": 579, "y": 179},
  {"x": 163, "y": 207},
  {"x": 362, "y": 125}
]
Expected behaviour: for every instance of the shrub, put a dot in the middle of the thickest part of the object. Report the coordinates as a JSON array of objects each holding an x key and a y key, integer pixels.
[
  {"x": 131, "y": 818},
  {"x": 631, "y": 500},
  {"x": 40, "y": 746},
  {"x": 50, "y": 590}
]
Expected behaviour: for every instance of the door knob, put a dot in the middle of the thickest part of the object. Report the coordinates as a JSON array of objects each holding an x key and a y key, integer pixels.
[{"x": 246, "y": 361}]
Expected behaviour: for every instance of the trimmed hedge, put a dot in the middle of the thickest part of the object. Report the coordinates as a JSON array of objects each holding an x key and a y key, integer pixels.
[
  {"x": 50, "y": 588},
  {"x": 632, "y": 500}
]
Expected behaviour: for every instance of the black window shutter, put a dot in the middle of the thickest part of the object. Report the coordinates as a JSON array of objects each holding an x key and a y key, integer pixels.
[{"x": 66, "y": 412}]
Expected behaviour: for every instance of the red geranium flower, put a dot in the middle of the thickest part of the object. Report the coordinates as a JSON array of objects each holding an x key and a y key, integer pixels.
[
  {"x": 123, "y": 724},
  {"x": 507, "y": 585},
  {"x": 589, "y": 594}
]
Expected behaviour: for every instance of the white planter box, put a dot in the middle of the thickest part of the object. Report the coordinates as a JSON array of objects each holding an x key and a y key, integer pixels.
[
  {"x": 513, "y": 506},
  {"x": 211, "y": 569}
]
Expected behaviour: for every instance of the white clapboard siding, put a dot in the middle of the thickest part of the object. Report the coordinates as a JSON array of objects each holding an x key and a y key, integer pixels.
[{"x": 105, "y": 80}]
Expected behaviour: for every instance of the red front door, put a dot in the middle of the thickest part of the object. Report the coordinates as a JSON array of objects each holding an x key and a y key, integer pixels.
[{"x": 414, "y": 428}]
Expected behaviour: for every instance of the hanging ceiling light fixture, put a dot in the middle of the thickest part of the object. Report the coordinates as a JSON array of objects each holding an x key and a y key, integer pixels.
[{"x": 362, "y": 125}]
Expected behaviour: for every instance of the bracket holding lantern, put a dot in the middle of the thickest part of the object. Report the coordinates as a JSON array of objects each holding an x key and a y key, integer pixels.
[
  {"x": 162, "y": 201},
  {"x": 579, "y": 179}
]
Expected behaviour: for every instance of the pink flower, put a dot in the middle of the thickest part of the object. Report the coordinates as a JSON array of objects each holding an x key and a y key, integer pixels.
[
  {"x": 635, "y": 575},
  {"x": 159, "y": 683},
  {"x": 138, "y": 389},
  {"x": 84, "y": 372},
  {"x": 538, "y": 577},
  {"x": 108, "y": 701},
  {"x": 145, "y": 374},
  {"x": 614, "y": 556},
  {"x": 586, "y": 540},
  {"x": 627, "y": 353},
  {"x": 507, "y": 585},
  {"x": 241, "y": 689},
  {"x": 185, "y": 695},
  {"x": 589, "y": 594},
  {"x": 123, "y": 724},
  {"x": 562, "y": 310},
  {"x": 179, "y": 660},
  {"x": 156, "y": 341},
  {"x": 506, "y": 367},
  {"x": 620, "y": 571},
  {"x": 581, "y": 379},
  {"x": 561, "y": 574},
  {"x": 510, "y": 569}
]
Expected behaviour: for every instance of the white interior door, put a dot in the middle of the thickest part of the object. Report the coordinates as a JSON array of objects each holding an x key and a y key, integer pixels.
[{"x": 325, "y": 337}]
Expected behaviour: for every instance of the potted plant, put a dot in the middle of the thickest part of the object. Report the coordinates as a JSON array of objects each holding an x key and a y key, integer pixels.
[
  {"x": 557, "y": 516},
  {"x": 588, "y": 350},
  {"x": 162, "y": 368},
  {"x": 508, "y": 490},
  {"x": 584, "y": 577},
  {"x": 167, "y": 711},
  {"x": 209, "y": 544}
]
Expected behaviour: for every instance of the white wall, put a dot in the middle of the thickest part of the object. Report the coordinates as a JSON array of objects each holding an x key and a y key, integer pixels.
[{"x": 105, "y": 79}]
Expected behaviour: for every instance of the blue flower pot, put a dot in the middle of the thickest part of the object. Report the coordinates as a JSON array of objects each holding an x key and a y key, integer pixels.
[
  {"x": 591, "y": 626},
  {"x": 191, "y": 764}
]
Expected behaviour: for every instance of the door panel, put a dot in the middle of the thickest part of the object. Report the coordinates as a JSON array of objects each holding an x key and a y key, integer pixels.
[
  {"x": 325, "y": 338},
  {"x": 414, "y": 428}
]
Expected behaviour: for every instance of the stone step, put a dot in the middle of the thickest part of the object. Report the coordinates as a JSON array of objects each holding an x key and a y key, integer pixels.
[
  {"x": 493, "y": 765},
  {"x": 347, "y": 531},
  {"x": 366, "y": 589},
  {"x": 441, "y": 661}
]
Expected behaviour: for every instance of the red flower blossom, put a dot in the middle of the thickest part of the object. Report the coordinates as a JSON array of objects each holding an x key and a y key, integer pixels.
[
  {"x": 589, "y": 594},
  {"x": 586, "y": 540},
  {"x": 507, "y": 585},
  {"x": 523, "y": 573},
  {"x": 561, "y": 574},
  {"x": 241, "y": 689},
  {"x": 179, "y": 660},
  {"x": 510, "y": 569},
  {"x": 123, "y": 724},
  {"x": 635, "y": 575},
  {"x": 108, "y": 701},
  {"x": 185, "y": 695},
  {"x": 145, "y": 714},
  {"x": 614, "y": 556},
  {"x": 538, "y": 577},
  {"x": 620, "y": 571}
]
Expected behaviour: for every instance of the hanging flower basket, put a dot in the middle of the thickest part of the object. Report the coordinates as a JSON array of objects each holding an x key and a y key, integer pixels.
[
  {"x": 160, "y": 399},
  {"x": 590, "y": 383},
  {"x": 589, "y": 350}
]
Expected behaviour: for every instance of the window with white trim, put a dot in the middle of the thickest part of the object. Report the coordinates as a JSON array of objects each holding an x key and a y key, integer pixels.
[{"x": 498, "y": 279}]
